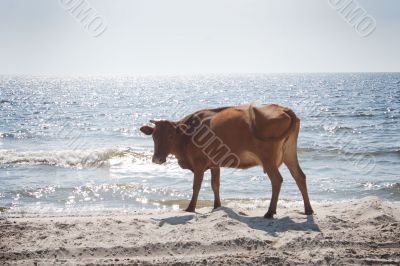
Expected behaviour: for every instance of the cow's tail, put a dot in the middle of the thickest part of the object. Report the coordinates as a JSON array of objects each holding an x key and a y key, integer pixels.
[
  {"x": 292, "y": 127},
  {"x": 293, "y": 123}
]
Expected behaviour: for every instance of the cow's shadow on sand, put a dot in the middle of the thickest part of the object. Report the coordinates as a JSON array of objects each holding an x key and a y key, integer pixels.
[{"x": 270, "y": 226}]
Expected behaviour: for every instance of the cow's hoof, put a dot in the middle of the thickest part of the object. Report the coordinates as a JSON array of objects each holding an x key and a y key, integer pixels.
[
  {"x": 189, "y": 209},
  {"x": 217, "y": 206},
  {"x": 269, "y": 215},
  {"x": 309, "y": 212}
]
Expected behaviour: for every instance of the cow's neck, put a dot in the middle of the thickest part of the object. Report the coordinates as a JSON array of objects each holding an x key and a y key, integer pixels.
[{"x": 179, "y": 151}]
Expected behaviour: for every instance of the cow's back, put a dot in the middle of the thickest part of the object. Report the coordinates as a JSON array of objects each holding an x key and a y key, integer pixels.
[
  {"x": 251, "y": 133},
  {"x": 254, "y": 134},
  {"x": 267, "y": 122}
]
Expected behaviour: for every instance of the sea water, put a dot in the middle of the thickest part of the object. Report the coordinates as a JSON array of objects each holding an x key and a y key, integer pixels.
[{"x": 73, "y": 143}]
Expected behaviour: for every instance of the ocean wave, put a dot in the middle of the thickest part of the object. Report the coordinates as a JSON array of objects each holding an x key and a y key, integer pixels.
[
  {"x": 101, "y": 157},
  {"x": 68, "y": 158},
  {"x": 19, "y": 134},
  {"x": 386, "y": 152},
  {"x": 5, "y": 102},
  {"x": 393, "y": 188},
  {"x": 337, "y": 128},
  {"x": 330, "y": 150}
]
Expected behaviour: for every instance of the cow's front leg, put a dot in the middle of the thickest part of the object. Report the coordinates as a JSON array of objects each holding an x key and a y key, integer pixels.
[
  {"x": 198, "y": 179},
  {"x": 215, "y": 173}
]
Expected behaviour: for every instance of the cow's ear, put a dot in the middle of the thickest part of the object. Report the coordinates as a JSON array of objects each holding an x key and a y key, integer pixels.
[
  {"x": 181, "y": 128},
  {"x": 147, "y": 130}
]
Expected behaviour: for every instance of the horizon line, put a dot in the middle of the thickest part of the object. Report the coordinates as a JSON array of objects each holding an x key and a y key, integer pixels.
[{"x": 191, "y": 74}]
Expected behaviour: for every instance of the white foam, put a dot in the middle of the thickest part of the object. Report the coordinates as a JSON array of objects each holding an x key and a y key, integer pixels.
[{"x": 66, "y": 158}]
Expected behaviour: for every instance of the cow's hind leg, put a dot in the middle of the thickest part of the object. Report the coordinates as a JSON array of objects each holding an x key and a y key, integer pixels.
[
  {"x": 300, "y": 178},
  {"x": 215, "y": 174},
  {"x": 276, "y": 181},
  {"x": 292, "y": 163}
]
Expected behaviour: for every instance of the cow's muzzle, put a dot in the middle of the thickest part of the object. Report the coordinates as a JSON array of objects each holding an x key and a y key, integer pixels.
[{"x": 158, "y": 160}]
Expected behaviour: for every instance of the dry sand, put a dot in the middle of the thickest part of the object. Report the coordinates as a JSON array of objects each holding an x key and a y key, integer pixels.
[{"x": 365, "y": 231}]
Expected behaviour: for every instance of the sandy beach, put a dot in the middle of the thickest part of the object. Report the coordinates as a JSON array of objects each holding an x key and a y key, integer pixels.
[{"x": 364, "y": 231}]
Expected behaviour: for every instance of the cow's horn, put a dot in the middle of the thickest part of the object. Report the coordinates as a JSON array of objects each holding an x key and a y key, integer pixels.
[{"x": 153, "y": 121}]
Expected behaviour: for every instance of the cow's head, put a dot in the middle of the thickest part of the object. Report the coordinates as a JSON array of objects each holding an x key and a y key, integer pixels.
[{"x": 164, "y": 133}]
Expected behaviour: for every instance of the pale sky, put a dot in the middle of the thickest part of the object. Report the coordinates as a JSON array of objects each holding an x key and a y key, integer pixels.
[{"x": 207, "y": 36}]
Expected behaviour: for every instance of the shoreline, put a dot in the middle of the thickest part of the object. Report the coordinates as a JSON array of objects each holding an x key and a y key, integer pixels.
[
  {"x": 361, "y": 231},
  {"x": 171, "y": 206}
]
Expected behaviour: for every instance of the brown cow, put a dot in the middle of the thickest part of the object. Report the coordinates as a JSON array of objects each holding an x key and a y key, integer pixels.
[{"x": 236, "y": 137}]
